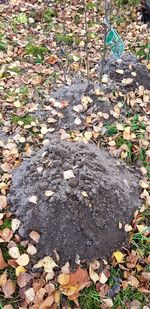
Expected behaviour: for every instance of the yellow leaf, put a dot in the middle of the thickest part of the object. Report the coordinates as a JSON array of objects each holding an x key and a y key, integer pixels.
[
  {"x": 19, "y": 270},
  {"x": 88, "y": 135},
  {"x": 93, "y": 275},
  {"x": 84, "y": 194},
  {"x": 148, "y": 66},
  {"x": 126, "y": 133},
  {"x": 119, "y": 256}
]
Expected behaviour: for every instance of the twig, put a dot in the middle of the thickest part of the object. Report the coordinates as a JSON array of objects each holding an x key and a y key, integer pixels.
[
  {"x": 86, "y": 41},
  {"x": 107, "y": 16},
  {"x": 64, "y": 38}
]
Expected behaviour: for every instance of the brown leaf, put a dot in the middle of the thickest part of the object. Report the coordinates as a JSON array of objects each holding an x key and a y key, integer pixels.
[
  {"x": 48, "y": 301},
  {"x": 35, "y": 236},
  {"x": 78, "y": 281},
  {"x": 6, "y": 234},
  {"x": 2, "y": 261},
  {"x": 23, "y": 279},
  {"x": 8, "y": 288},
  {"x": 8, "y": 307},
  {"x": 3, "y": 201},
  {"x": 133, "y": 281},
  {"x": 3, "y": 278},
  {"x": 145, "y": 276},
  {"x": 63, "y": 279}
]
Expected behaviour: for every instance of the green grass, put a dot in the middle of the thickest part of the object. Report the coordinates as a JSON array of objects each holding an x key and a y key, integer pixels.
[
  {"x": 26, "y": 119},
  {"x": 141, "y": 243},
  {"x": 128, "y": 295},
  {"x": 48, "y": 15},
  {"x": 89, "y": 299},
  {"x": 6, "y": 224},
  {"x": 111, "y": 129},
  {"x": 66, "y": 39},
  {"x": 36, "y": 51},
  {"x": 3, "y": 45}
]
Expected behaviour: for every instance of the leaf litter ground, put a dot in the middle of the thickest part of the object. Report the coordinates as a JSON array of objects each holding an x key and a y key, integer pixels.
[{"x": 113, "y": 114}]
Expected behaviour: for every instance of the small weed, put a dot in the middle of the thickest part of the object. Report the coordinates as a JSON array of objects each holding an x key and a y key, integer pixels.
[
  {"x": 141, "y": 243},
  {"x": 36, "y": 51},
  {"x": 21, "y": 19},
  {"x": 48, "y": 15},
  {"x": 66, "y": 39},
  {"x": 6, "y": 224},
  {"x": 3, "y": 45},
  {"x": 115, "y": 275},
  {"x": 127, "y": 295},
  {"x": 89, "y": 299},
  {"x": 4, "y": 249},
  {"x": 26, "y": 119},
  {"x": 21, "y": 248},
  {"x": 111, "y": 129}
]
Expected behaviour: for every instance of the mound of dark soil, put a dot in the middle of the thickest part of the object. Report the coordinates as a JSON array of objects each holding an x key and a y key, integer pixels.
[{"x": 83, "y": 214}]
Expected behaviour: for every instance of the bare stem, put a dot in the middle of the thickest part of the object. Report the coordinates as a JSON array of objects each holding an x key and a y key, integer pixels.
[{"x": 86, "y": 41}]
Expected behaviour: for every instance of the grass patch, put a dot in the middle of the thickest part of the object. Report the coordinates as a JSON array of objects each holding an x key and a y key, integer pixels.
[
  {"x": 128, "y": 295},
  {"x": 89, "y": 299},
  {"x": 66, "y": 39},
  {"x": 26, "y": 119},
  {"x": 48, "y": 15},
  {"x": 141, "y": 243},
  {"x": 38, "y": 52},
  {"x": 3, "y": 45},
  {"x": 111, "y": 129},
  {"x": 6, "y": 224}
]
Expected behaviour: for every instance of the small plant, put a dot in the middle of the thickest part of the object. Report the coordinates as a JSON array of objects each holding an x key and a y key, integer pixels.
[
  {"x": 48, "y": 15},
  {"x": 3, "y": 45},
  {"x": 66, "y": 39},
  {"x": 128, "y": 295},
  {"x": 21, "y": 19},
  {"x": 36, "y": 51},
  {"x": 141, "y": 242},
  {"x": 89, "y": 299},
  {"x": 26, "y": 119}
]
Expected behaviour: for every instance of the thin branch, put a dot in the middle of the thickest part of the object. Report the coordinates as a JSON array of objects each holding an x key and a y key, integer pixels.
[
  {"x": 107, "y": 16},
  {"x": 86, "y": 41}
]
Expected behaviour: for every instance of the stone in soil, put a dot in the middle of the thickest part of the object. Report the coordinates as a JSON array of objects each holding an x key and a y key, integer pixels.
[{"x": 83, "y": 214}]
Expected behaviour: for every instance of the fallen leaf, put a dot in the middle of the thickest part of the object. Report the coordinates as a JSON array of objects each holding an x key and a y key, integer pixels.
[
  {"x": 3, "y": 278},
  {"x": 108, "y": 302},
  {"x": 8, "y": 307},
  {"x": 127, "y": 228},
  {"x": 15, "y": 223},
  {"x": 68, "y": 174},
  {"x": 48, "y": 301},
  {"x": 31, "y": 249},
  {"x": 102, "y": 278},
  {"x": 19, "y": 270},
  {"x": 14, "y": 252},
  {"x": 49, "y": 193},
  {"x": 3, "y": 201},
  {"x": 29, "y": 295},
  {"x": 23, "y": 279},
  {"x": 35, "y": 236},
  {"x": 33, "y": 199},
  {"x": 88, "y": 135},
  {"x": 47, "y": 262},
  {"x": 8, "y": 288},
  {"x": 23, "y": 260},
  {"x": 119, "y": 256},
  {"x": 84, "y": 194},
  {"x": 93, "y": 275},
  {"x": 63, "y": 279},
  {"x": 127, "y": 81},
  {"x": 133, "y": 281},
  {"x": 2, "y": 261}
]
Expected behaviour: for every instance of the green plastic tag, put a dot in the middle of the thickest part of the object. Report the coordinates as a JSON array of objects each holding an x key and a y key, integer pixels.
[{"x": 114, "y": 41}]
